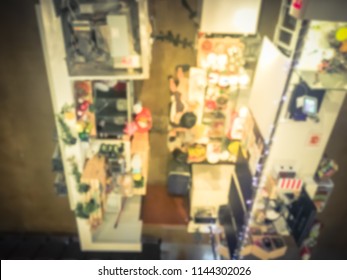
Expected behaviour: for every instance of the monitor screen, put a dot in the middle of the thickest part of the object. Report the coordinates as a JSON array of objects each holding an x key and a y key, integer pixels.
[
  {"x": 310, "y": 106},
  {"x": 306, "y": 106}
]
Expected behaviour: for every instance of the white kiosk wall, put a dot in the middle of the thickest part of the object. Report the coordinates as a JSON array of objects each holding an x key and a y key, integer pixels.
[
  {"x": 292, "y": 143},
  {"x": 268, "y": 85},
  {"x": 230, "y": 17}
]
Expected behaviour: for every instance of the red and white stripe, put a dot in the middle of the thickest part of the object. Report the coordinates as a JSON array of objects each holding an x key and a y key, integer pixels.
[{"x": 290, "y": 184}]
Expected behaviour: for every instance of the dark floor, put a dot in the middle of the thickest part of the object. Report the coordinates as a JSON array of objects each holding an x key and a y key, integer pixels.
[
  {"x": 65, "y": 247},
  {"x": 27, "y": 198},
  {"x": 154, "y": 94},
  {"x": 159, "y": 208}
]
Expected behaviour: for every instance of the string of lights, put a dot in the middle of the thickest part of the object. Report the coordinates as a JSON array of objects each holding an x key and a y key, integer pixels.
[{"x": 258, "y": 180}]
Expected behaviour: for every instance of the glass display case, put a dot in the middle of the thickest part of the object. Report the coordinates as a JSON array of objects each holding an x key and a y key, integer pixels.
[{"x": 112, "y": 109}]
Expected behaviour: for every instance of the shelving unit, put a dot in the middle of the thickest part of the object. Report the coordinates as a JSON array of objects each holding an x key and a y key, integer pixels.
[
  {"x": 299, "y": 54},
  {"x": 113, "y": 109},
  {"x": 125, "y": 56},
  {"x": 296, "y": 145},
  {"x": 85, "y": 168},
  {"x": 287, "y": 29}
]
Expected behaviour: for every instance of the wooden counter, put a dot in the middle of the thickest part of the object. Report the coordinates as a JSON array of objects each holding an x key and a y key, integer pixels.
[{"x": 95, "y": 169}]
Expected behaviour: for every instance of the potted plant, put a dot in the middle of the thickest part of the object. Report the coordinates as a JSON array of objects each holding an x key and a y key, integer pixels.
[
  {"x": 83, "y": 188},
  {"x": 85, "y": 210},
  {"x": 84, "y": 191}
]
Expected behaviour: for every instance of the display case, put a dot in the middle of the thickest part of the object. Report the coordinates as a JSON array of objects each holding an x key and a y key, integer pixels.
[
  {"x": 113, "y": 108},
  {"x": 104, "y": 39},
  {"x": 323, "y": 192}
]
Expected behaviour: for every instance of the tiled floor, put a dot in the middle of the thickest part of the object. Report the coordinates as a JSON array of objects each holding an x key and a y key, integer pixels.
[{"x": 154, "y": 92}]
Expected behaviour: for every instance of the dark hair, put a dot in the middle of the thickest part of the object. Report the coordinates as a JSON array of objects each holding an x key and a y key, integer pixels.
[
  {"x": 188, "y": 120},
  {"x": 180, "y": 156}
]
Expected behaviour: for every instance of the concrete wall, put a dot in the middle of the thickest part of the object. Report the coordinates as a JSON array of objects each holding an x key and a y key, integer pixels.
[{"x": 27, "y": 198}]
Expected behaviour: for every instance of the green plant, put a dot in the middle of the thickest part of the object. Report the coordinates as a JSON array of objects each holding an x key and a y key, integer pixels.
[
  {"x": 139, "y": 183},
  {"x": 80, "y": 211},
  {"x": 83, "y": 210},
  {"x": 91, "y": 108},
  {"x": 83, "y": 188},
  {"x": 75, "y": 171},
  {"x": 67, "y": 136},
  {"x": 92, "y": 206},
  {"x": 66, "y": 108}
]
